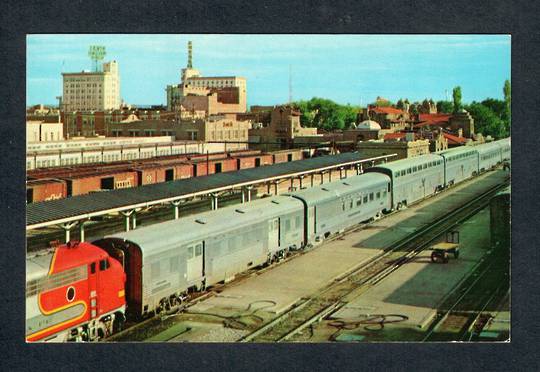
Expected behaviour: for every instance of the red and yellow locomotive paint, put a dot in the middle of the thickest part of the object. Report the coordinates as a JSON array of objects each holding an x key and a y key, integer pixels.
[{"x": 76, "y": 293}]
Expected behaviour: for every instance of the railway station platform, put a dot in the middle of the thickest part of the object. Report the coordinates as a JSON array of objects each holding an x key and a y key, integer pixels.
[{"x": 414, "y": 291}]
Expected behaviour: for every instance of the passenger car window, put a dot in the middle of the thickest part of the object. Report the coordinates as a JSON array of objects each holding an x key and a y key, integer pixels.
[
  {"x": 365, "y": 199},
  {"x": 359, "y": 202},
  {"x": 370, "y": 196},
  {"x": 378, "y": 194},
  {"x": 198, "y": 249},
  {"x": 190, "y": 252}
]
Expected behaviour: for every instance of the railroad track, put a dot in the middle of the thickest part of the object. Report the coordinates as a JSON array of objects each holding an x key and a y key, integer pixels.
[
  {"x": 330, "y": 299},
  {"x": 311, "y": 310},
  {"x": 463, "y": 316}
]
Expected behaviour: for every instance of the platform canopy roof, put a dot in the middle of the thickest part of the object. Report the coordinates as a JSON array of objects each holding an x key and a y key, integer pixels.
[{"x": 95, "y": 204}]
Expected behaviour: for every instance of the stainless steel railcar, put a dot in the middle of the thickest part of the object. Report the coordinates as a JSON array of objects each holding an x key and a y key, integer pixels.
[
  {"x": 489, "y": 155},
  {"x": 164, "y": 261},
  {"x": 413, "y": 179},
  {"x": 461, "y": 163},
  {"x": 335, "y": 206},
  {"x": 505, "y": 148}
]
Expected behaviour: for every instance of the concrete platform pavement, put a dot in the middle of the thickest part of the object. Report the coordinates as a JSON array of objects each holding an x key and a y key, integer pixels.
[
  {"x": 417, "y": 288},
  {"x": 279, "y": 288}
]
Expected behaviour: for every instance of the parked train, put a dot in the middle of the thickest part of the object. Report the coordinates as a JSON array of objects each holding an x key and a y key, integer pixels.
[{"x": 85, "y": 290}]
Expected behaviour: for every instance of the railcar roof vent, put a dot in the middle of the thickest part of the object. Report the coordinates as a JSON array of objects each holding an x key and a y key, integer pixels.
[
  {"x": 346, "y": 184},
  {"x": 202, "y": 222},
  {"x": 239, "y": 211},
  {"x": 275, "y": 202},
  {"x": 324, "y": 189}
]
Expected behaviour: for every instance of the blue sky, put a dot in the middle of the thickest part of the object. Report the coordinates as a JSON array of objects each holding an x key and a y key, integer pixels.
[{"x": 345, "y": 68}]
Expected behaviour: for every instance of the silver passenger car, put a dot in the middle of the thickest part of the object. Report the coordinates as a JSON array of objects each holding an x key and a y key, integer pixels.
[
  {"x": 505, "y": 148},
  {"x": 461, "y": 163},
  {"x": 413, "y": 179},
  {"x": 165, "y": 260},
  {"x": 337, "y": 205},
  {"x": 490, "y": 154}
]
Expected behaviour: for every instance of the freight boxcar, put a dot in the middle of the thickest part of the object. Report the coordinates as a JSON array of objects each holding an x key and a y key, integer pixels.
[
  {"x": 413, "y": 179},
  {"x": 202, "y": 167},
  {"x": 164, "y": 261},
  {"x": 80, "y": 184},
  {"x": 45, "y": 189},
  {"x": 252, "y": 161},
  {"x": 284, "y": 156}
]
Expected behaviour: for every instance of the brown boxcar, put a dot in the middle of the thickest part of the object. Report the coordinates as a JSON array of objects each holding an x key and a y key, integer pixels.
[
  {"x": 252, "y": 161},
  {"x": 45, "y": 189},
  {"x": 284, "y": 156},
  {"x": 202, "y": 168},
  {"x": 81, "y": 184}
]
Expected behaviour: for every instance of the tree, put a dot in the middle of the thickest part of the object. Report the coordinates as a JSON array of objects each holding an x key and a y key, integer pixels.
[
  {"x": 445, "y": 107},
  {"x": 508, "y": 99},
  {"x": 456, "y": 95},
  {"x": 326, "y": 114},
  {"x": 400, "y": 104},
  {"x": 486, "y": 121}
]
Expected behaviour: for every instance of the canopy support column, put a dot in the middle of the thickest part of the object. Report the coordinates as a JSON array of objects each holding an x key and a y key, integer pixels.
[
  {"x": 127, "y": 215},
  {"x": 67, "y": 229}
]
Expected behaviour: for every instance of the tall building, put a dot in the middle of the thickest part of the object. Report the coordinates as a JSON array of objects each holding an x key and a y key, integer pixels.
[
  {"x": 230, "y": 91},
  {"x": 92, "y": 91}
]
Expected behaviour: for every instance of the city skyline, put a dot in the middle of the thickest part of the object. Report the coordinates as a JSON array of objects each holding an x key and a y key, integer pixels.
[{"x": 392, "y": 66}]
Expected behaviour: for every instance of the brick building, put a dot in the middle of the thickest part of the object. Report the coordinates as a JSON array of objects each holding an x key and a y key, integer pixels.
[
  {"x": 283, "y": 127},
  {"x": 220, "y": 128},
  {"x": 227, "y": 93}
]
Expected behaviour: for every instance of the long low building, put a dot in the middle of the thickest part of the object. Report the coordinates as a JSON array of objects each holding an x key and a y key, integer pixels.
[{"x": 107, "y": 150}]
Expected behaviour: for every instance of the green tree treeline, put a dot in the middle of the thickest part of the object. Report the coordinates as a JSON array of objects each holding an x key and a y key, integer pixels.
[{"x": 491, "y": 116}]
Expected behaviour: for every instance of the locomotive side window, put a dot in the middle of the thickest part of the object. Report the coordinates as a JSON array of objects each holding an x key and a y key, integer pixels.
[
  {"x": 103, "y": 264},
  {"x": 93, "y": 268},
  {"x": 378, "y": 194}
]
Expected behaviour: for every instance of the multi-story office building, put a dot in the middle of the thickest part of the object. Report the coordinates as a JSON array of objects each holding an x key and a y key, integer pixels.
[
  {"x": 230, "y": 91},
  {"x": 86, "y": 91}
]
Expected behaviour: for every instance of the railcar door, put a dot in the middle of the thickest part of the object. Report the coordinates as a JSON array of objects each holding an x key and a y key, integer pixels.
[
  {"x": 273, "y": 234},
  {"x": 194, "y": 261},
  {"x": 92, "y": 289}
]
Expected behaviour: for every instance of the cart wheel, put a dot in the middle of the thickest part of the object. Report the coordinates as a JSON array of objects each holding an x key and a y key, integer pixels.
[
  {"x": 456, "y": 253},
  {"x": 445, "y": 257},
  {"x": 433, "y": 257}
]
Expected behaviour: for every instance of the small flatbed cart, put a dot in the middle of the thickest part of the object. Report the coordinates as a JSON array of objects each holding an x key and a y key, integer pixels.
[{"x": 442, "y": 251}]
